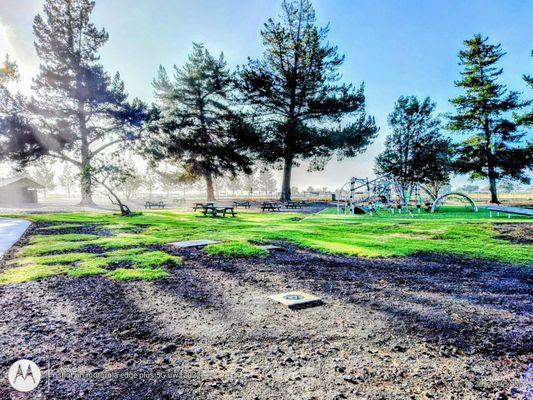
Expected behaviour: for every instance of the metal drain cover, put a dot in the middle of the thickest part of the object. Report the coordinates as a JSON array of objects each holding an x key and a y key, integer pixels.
[
  {"x": 293, "y": 297},
  {"x": 193, "y": 243},
  {"x": 272, "y": 247},
  {"x": 295, "y": 300}
]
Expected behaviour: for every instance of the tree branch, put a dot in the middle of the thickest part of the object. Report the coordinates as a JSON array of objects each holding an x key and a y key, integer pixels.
[
  {"x": 105, "y": 146},
  {"x": 63, "y": 157}
]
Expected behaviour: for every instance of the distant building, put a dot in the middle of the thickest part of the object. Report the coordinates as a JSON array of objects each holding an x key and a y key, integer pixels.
[{"x": 20, "y": 190}]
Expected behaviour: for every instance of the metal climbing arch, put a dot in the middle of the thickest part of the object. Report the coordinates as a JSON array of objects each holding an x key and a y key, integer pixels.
[{"x": 439, "y": 200}]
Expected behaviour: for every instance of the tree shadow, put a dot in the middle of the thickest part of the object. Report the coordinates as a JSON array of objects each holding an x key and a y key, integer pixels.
[
  {"x": 465, "y": 306},
  {"x": 91, "y": 326},
  {"x": 477, "y": 307}
]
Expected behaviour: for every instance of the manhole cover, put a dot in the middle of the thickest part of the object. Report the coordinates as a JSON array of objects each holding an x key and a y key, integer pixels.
[
  {"x": 295, "y": 300},
  {"x": 293, "y": 297},
  {"x": 193, "y": 243}
]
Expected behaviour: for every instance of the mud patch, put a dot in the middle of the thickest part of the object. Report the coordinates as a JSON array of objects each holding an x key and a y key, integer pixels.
[
  {"x": 53, "y": 228},
  {"x": 521, "y": 233}
]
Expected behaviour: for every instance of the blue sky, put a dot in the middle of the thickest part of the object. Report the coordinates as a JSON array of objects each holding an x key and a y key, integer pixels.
[{"x": 395, "y": 47}]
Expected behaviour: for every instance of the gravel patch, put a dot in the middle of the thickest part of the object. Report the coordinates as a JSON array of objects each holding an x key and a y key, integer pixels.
[{"x": 426, "y": 326}]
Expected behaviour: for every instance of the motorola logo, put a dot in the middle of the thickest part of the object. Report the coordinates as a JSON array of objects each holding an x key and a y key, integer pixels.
[{"x": 24, "y": 375}]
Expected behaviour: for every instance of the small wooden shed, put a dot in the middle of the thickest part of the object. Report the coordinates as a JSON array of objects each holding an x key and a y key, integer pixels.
[{"x": 20, "y": 190}]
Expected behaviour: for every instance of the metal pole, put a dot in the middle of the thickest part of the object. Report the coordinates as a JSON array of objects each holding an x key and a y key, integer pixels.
[{"x": 352, "y": 196}]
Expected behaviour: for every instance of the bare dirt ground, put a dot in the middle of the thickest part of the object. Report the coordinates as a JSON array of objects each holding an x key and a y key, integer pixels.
[
  {"x": 422, "y": 327},
  {"x": 516, "y": 233}
]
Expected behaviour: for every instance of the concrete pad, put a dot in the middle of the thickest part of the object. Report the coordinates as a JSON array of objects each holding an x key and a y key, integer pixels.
[
  {"x": 296, "y": 300},
  {"x": 11, "y": 231},
  {"x": 193, "y": 243},
  {"x": 271, "y": 247}
]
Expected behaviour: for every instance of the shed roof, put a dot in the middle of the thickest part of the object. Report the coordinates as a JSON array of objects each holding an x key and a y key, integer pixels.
[{"x": 20, "y": 181}]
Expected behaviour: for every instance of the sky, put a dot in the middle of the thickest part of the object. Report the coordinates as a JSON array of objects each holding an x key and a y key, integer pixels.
[{"x": 406, "y": 47}]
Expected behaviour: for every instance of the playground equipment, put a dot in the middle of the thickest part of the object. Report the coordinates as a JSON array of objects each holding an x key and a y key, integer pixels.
[
  {"x": 528, "y": 212},
  {"x": 364, "y": 196},
  {"x": 450, "y": 195}
]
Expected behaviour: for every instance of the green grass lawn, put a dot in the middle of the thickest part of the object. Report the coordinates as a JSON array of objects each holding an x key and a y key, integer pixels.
[{"x": 453, "y": 230}]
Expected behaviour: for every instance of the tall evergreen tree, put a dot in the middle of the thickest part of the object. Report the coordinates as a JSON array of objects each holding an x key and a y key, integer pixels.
[
  {"x": 526, "y": 119},
  {"x": 267, "y": 181},
  {"x": 196, "y": 126},
  {"x": 44, "y": 172},
  {"x": 249, "y": 182},
  {"x": 68, "y": 178},
  {"x": 233, "y": 184},
  {"x": 295, "y": 91},
  {"x": 415, "y": 152},
  {"x": 80, "y": 111},
  {"x": 150, "y": 180},
  {"x": 495, "y": 148}
]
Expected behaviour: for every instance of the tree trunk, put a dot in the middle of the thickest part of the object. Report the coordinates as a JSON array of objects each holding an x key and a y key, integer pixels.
[
  {"x": 493, "y": 191},
  {"x": 86, "y": 173},
  {"x": 210, "y": 190},
  {"x": 490, "y": 165},
  {"x": 286, "y": 185},
  {"x": 86, "y": 187}
]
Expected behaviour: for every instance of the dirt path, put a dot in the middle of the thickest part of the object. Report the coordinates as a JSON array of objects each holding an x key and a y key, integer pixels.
[{"x": 418, "y": 327}]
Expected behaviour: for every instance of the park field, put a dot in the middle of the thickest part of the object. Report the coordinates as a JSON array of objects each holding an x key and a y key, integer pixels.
[
  {"x": 83, "y": 244},
  {"x": 412, "y": 305}
]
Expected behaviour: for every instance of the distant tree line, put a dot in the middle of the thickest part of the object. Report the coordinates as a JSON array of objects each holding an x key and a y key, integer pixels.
[{"x": 288, "y": 106}]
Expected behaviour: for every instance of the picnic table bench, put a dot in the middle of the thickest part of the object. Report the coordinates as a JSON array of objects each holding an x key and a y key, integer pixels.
[
  {"x": 214, "y": 211},
  {"x": 294, "y": 204},
  {"x": 199, "y": 206},
  {"x": 270, "y": 206},
  {"x": 510, "y": 210},
  {"x": 245, "y": 204},
  {"x": 179, "y": 201},
  {"x": 157, "y": 204}
]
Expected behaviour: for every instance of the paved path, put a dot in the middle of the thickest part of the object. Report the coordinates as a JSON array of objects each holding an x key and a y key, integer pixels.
[{"x": 10, "y": 231}]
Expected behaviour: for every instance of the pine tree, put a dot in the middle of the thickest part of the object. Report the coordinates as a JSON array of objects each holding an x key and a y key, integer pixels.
[
  {"x": 494, "y": 149},
  {"x": 80, "y": 110},
  {"x": 68, "y": 178},
  {"x": 526, "y": 119},
  {"x": 168, "y": 180},
  {"x": 415, "y": 152},
  {"x": 43, "y": 172},
  {"x": 131, "y": 183},
  {"x": 150, "y": 180},
  {"x": 249, "y": 182},
  {"x": 233, "y": 184},
  {"x": 295, "y": 91},
  {"x": 196, "y": 126},
  {"x": 267, "y": 181}
]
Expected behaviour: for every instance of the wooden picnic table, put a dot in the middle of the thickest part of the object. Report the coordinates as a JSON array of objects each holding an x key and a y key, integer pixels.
[
  {"x": 245, "y": 204},
  {"x": 214, "y": 211},
  {"x": 199, "y": 206},
  {"x": 270, "y": 206},
  {"x": 157, "y": 204},
  {"x": 294, "y": 204}
]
